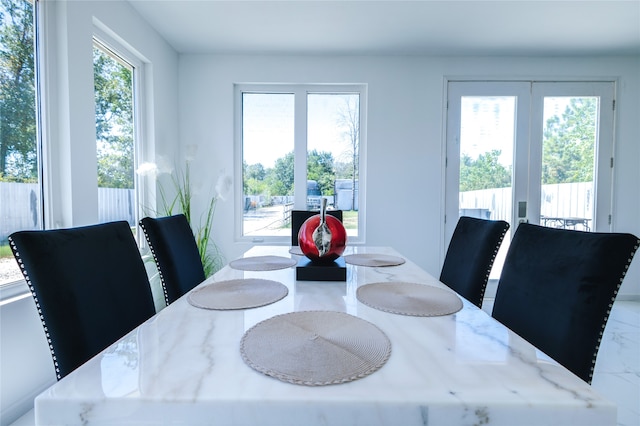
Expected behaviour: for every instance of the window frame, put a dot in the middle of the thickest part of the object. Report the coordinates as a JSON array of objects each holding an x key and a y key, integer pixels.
[
  {"x": 143, "y": 193},
  {"x": 300, "y": 92},
  {"x": 15, "y": 290}
]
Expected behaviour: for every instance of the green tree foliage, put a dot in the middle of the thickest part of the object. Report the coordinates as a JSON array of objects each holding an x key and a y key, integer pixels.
[
  {"x": 280, "y": 178},
  {"x": 254, "y": 179},
  {"x": 320, "y": 169},
  {"x": 569, "y": 142},
  {"x": 114, "y": 121},
  {"x": 484, "y": 172},
  {"x": 18, "y": 152},
  {"x": 567, "y": 155}
]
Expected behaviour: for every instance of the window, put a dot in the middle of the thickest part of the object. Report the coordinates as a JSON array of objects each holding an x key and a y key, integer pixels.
[
  {"x": 297, "y": 145},
  {"x": 20, "y": 177},
  {"x": 113, "y": 86}
]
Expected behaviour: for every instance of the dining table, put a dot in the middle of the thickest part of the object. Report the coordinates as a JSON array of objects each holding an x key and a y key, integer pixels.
[{"x": 390, "y": 345}]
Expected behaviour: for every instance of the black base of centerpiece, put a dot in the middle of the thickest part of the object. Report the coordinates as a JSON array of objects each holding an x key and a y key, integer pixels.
[{"x": 332, "y": 271}]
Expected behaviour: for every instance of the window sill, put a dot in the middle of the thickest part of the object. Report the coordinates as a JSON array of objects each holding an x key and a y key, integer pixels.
[{"x": 13, "y": 291}]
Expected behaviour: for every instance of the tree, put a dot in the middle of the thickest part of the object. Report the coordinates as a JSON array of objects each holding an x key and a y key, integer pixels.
[
  {"x": 114, "y": 121},
  {"x": 484, "y": 172},
  {"x": 320, "y": 169},
  {"x": 569, "y": 142},
  {"x": 253, "y": 181},
  {"x": 349, "y": 117},
  {"x": 280, "y": 178},
  {"x": 18, "y": 153}
]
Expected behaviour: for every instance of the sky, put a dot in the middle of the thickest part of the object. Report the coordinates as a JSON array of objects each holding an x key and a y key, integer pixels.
[{"x": 268, "y": 128}]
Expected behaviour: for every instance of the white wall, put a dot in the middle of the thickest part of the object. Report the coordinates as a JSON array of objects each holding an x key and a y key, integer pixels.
[
  {"x": 25, "y": 363},
  {"x": 405, "y": 179}
]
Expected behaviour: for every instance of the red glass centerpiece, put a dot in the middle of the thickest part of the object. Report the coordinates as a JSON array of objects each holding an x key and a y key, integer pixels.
[{"x": 322, "y": 238}]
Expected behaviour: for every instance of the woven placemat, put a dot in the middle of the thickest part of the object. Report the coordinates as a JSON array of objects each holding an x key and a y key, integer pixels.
[
  {"x": 263, "y": 263},
  {"x": 409, "y": 299},
  {"x": 237, "y": 294},
  {"x": 315, "y": 348},
  {"x": 296, "y": 250},
  {"x": 373, "y": 259}
]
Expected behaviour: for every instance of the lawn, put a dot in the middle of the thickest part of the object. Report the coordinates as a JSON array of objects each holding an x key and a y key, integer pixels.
[
  {"x": 5, "y": 250},
  {"x": 350, "y": 219}
]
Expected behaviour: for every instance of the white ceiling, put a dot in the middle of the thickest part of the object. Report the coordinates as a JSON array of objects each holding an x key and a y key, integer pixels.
[{"x": 515, "y": 27}]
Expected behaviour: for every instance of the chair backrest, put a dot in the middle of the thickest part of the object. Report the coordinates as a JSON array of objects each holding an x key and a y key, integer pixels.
[
  {"x": 557, "y": 288},
  {"x": 299, "y": 216},
  {"x": 470, "y": 256},
  {"x": 176, "y": 254},
  {"x": 89, "y": 284}
]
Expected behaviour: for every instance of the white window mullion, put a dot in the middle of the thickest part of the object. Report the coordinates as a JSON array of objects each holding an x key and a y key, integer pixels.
[{"x": 300, "y": 150}]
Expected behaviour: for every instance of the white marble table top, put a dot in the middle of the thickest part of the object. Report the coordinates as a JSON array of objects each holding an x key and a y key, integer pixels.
[{"x": 183, "y": 367}]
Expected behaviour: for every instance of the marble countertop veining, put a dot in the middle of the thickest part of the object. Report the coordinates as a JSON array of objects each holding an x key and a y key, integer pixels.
[{"x": 183, "y": 366}]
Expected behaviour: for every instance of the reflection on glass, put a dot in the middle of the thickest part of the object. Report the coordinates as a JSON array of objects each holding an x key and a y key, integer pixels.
[{"x": 568, "y": 162}]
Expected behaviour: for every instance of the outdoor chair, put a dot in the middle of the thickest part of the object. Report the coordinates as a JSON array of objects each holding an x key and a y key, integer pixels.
[
  {"x": 298, "y": 217},
  {"x": 470, "y": 256},
  {"x": 89, "y": 284},
  {"x": 557, "y": 289},
  {"x": 176, "y": 254}
]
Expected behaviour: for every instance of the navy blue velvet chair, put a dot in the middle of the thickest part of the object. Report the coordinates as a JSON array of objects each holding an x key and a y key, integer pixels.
[
  {"x": 470, "y": 256},
  {"x": 557, "y": 289},
  {"x": 176, "y": 254},
  {"x": 89, "y": 284}
]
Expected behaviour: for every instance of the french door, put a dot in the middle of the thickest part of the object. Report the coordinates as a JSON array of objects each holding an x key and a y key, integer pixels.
[{"x": 536, "y": 152}]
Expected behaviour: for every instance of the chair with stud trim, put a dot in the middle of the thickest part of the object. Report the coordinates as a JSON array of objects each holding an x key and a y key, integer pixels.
[
  {"x": 89, "y": 284},
  {"x": 557, "y": 289},
  {"x": 470, "y": 256},
  {"x": 176, "y": 254}
]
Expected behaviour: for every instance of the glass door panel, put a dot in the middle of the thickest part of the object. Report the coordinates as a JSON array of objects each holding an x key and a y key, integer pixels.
[
  {"x": 486, "y": 156},
  {"x": 485, "y": 145},
  {"x": 571, "y": 155},
  {"x": 487, "y": 138},
  {"x": 537, "y": 152},
  {"x": 568, "y": 153}
]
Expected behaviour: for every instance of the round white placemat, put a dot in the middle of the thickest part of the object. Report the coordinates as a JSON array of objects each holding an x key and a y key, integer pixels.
[
  {"x": 373, "y": 259},
  {"x": 262, "y": 263},
  {"x": 409, "y": 299},
  {"x": 296, "y": 250},
  {"x": 315, "y": 348},
  {"x": 237, "y": 294}
]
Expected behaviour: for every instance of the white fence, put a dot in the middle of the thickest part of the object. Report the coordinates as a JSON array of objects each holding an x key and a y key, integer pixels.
[
  {"x": 557, "y": 200},
  {"x": 19, "y": 206}
]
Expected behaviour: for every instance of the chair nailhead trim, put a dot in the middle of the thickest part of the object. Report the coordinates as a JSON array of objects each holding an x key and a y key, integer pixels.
[
  {"x": 493, "y": 258},
  {"x": 608, "y": 312},
  {"x": 35, "y": 299},
  {"x": 155, "y": 259}
]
